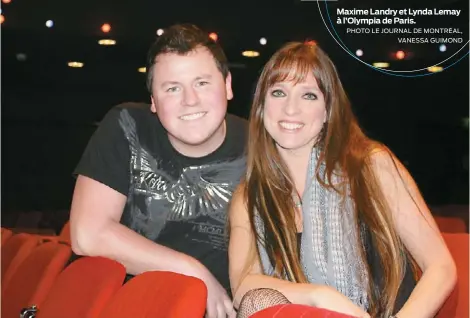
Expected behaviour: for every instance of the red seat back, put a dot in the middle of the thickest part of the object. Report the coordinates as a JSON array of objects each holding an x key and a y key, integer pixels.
[
  {"x": 34, "y": 277},
  {"x": 14, "y": 252},
  {"x": 159, "y": 294},
  {"x": 448, "y": 224},
  {"x": 6, "y": 234},
  {"x": 83, "y": 289},
  {"x": 297, "y": 311}
]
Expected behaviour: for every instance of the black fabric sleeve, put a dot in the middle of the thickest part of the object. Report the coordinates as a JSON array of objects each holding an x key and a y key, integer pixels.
[{"x": 106, "y": 158}]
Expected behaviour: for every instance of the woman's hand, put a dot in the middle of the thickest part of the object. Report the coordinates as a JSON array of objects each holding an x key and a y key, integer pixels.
[{"x": 329, "y": 298}]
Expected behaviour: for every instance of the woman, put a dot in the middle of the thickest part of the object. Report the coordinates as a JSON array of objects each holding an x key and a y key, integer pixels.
[{"x": 325, "y": 215}]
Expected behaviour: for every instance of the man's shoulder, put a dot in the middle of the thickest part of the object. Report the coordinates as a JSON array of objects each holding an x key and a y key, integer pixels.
[
  {"x": 134, "y": 106},
  {"x": 135, "y": 109},
  {"x": 138, "y": 113}
]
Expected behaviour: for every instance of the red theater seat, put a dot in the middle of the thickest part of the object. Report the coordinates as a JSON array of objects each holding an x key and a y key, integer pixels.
[
  {"x": 83, "y": 289},
  {"x": 34, "y": 277},
  {"x": 297, "y": 311},
  {"x": 159, "y": 294},
  {"x": 14, "y": 252}
]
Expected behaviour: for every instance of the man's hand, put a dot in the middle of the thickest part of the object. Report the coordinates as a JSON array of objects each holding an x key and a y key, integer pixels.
[{"x": 218, "y": 304}]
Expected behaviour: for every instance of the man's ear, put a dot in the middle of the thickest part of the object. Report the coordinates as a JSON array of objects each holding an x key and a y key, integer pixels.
[
  {"x": 228, "y": 86},
  {"x": 153, "y": 108}
]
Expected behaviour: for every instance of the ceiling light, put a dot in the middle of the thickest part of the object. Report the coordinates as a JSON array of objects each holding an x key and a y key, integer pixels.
[
  {"x": 465, "y": 122},
  {"x": 435, "y": 69},
  {"x": 250, "y": 53},
  {"x": 400, "y": 55},
  {"x": 142, "y": 70},
  {"x": 106, "y": 28},
  {"x": 381, "y": 64},
  {"x": 263, "y": 41},
  {"x": 49, "y": 23},
  {"x": 107, "y": 42},
  {"x": 159, "y": 32},
  {"x": 21, "y": 57},
  {"x": 359, "y": 52},
  {"x": 75, "y": 64},
  {"x": 213, "y": 36}
]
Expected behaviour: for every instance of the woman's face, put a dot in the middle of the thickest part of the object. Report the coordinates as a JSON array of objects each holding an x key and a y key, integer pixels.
[{"x": 294, "y": 114}]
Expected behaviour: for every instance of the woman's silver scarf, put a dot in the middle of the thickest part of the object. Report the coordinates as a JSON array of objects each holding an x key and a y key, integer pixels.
[{"x": 330, "y": 254}]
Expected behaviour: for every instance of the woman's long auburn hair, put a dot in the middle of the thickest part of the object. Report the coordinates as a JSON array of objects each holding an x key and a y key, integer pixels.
[{"x": 269, "y": 187}]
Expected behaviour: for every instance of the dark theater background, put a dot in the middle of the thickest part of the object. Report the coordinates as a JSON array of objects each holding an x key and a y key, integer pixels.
[{"x": 50, "y": 109}]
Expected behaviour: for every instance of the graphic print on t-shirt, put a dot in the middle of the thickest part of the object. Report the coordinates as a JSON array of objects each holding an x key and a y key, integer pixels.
[{"x": 198, "y": 197}]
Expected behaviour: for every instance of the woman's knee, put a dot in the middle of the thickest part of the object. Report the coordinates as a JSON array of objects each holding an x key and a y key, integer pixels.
[{"x": 258, "y": 299}]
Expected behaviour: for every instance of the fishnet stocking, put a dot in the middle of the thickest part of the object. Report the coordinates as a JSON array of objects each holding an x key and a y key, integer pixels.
[{"x": 258, "y": 299}]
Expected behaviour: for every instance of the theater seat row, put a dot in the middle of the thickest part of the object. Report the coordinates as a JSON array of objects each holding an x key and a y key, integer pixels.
[
  {"x": 40, "y": 281},
  {"x": 34, "y": 272}
]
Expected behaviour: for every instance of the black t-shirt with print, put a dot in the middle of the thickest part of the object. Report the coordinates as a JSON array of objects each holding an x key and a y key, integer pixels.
[{"x": 174, "y": 200}]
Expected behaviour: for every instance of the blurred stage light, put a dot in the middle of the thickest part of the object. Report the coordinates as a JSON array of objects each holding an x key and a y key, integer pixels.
[
  {"x": 263, "y": 41},
  {"x": 6, "y": 1},
  {"x": 21, "y": 57},
  {"x": 381, "y": 64},
  {"x": 106, "y": 28},
  {"x": 159, "y": 32},
  {"x": 142, "y": 69},
  {"x": 359, "y": 52},
  {"x": 250, "y": 53},
  {"x": 442, "y": 48},
  {"x": 107, "y": 42},
  {"x": 465, "y": 122},
  {"x": 75, "y": 64},
  {"x": 400, "y": 55},
  {"x": 435, "y": 69},
  {"x": 213, "y": 36},
  {"x": 49, "y": 23}
]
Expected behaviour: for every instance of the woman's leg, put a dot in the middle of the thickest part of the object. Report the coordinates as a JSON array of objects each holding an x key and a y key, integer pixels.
[{"x": 258, "y": 299}]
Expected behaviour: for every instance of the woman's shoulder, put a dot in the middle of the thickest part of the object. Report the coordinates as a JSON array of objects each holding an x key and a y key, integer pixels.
[
  {"x": 375, "y": 148},
  {"x": 239, "y": 194},
  {"x": 380, "y": 155},
  {"x": 238, "y": 211}
]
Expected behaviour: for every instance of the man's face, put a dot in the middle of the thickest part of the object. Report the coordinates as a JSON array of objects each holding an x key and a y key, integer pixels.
[{"x": 189, "y": 96}]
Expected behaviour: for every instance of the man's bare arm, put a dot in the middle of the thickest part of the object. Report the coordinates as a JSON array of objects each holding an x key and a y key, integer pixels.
[{"x": 96, "y": 231}]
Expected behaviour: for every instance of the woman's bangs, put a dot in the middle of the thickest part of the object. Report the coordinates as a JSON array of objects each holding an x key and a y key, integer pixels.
[{"x": 289, "y": 68}]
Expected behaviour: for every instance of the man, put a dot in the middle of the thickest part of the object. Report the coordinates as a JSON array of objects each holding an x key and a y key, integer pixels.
[{"x": 155, "y": 181}]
